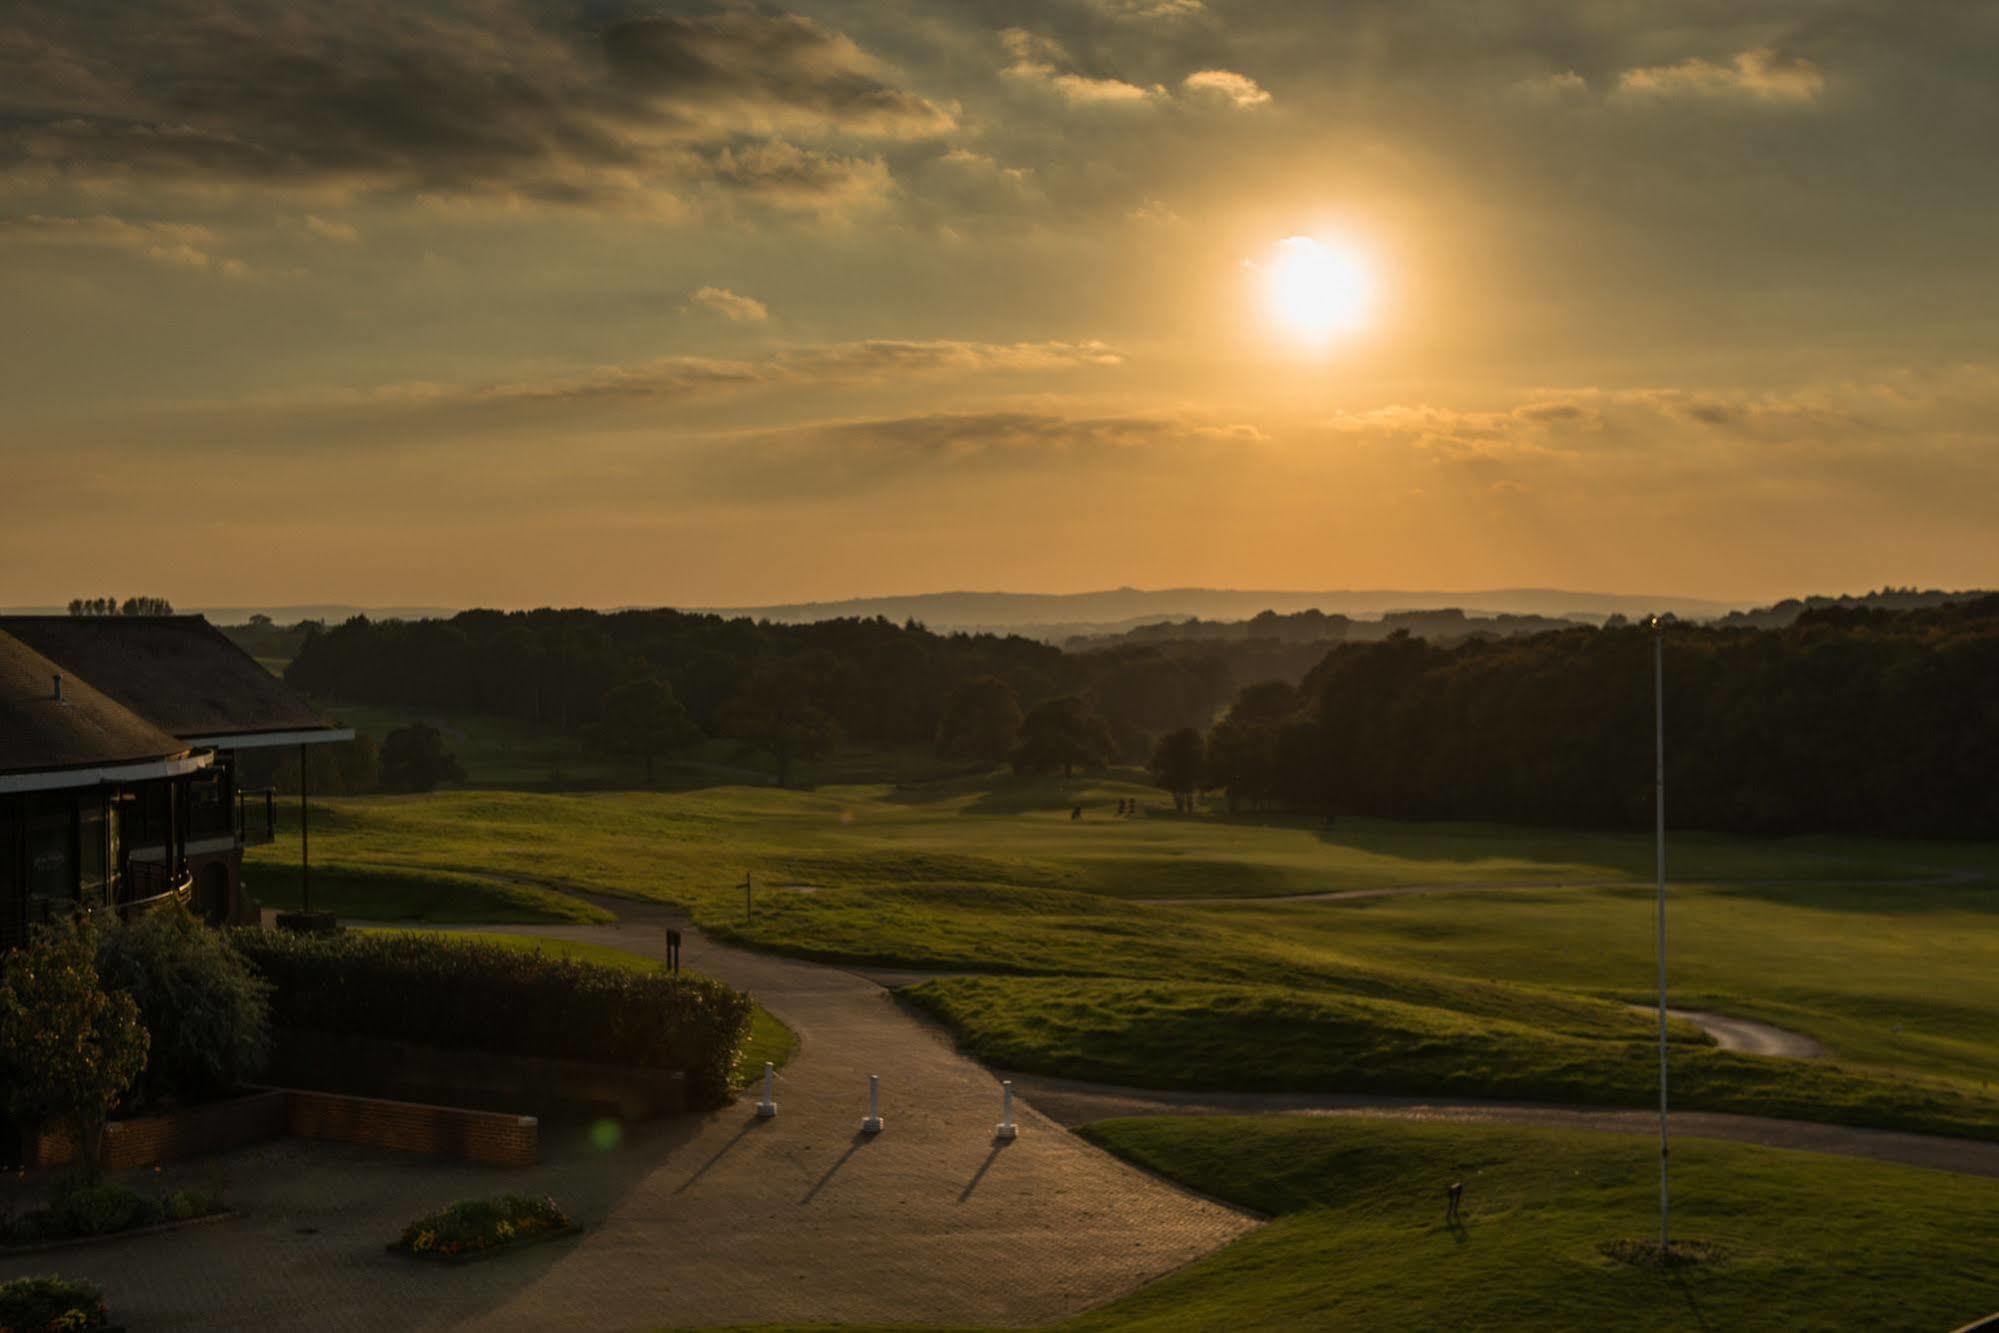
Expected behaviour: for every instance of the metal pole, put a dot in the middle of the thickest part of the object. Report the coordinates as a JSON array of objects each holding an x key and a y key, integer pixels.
[
  {"x": 304, "y": 840},
  {"x": 1659, "y": 789}
]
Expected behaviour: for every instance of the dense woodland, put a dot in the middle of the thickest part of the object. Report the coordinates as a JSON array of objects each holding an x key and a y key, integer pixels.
[
  {"x": 1848, "y": 719},
  {"x": 648, "y": 681},
  {"x": 1856, "y": 721}
]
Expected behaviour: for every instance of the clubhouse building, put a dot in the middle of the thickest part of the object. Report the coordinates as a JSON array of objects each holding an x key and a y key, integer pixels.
[{"x": 118, "y": 745}]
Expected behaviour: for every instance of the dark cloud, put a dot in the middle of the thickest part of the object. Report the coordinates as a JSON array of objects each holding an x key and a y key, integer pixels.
[{"x": 469, "y": 98}]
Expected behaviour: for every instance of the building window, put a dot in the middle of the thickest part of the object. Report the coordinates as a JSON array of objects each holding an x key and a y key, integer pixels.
[{"x": 51, "y": 855}]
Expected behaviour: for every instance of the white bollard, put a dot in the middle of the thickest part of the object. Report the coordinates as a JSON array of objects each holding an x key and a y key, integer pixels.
[
  {"x": 768, "y": 1108},
  {"x": 1006, "y": 1130},
  {"x": 873, "y": 1124}
]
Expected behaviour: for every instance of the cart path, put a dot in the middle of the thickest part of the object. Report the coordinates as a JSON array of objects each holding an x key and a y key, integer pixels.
[
  {"x": 1075, "y": 1103},
  {"x": 704, "y": 1219}
]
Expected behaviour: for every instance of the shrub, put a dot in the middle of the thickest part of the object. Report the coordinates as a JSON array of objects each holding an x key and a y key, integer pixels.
[
  {"x": 79, "y": 1207},
  {"x": 482, "y": 1224},
  {"x": 49, "y": 1304},
  {"x": 473, "y": 995},
  {"x": 207, "y": 1009},
  {"x": 69, "y": 1048}
]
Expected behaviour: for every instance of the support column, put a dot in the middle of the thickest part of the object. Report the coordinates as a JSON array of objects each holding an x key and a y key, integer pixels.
[{"x": 304, "y": 837}]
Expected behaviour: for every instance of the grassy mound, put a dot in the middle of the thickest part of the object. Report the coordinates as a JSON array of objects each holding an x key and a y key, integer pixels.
[
  {"x": 1266, "y": 1039},
  {"x": 1360, "y": 1240}
]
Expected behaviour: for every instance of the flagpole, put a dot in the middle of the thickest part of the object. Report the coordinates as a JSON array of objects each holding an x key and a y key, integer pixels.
[{"x": 1659, "y": 801}]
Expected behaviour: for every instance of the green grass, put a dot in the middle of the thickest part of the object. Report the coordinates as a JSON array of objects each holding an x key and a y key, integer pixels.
[
  {"x": 769, "y": 1039},
  {"x": 993, "y": 877},
  {"x": 1269, "y": 1039},
  {"x": 432, "y": 897},
  {"x": 1359, "y": 1239}
]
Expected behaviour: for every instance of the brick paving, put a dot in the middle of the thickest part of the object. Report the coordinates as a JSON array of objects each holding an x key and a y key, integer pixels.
[{"x": 704, "y": 1219}]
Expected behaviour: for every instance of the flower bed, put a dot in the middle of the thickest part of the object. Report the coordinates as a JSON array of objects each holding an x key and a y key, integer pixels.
[
  {"x": 51, "y": 1305},
  {"x": 433, "y": 990},
  {"x": 476, "y": 1228}
]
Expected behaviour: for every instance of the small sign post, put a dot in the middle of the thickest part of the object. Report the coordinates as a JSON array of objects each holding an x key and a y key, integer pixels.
[{"x": 748, "y": 906}]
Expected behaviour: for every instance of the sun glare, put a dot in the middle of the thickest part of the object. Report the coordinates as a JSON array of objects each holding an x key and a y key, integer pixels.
[{"x": 1314, "y": 291}]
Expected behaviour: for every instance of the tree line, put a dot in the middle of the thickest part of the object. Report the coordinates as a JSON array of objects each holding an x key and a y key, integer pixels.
[
  {"x": 1848, "y": 720},
  {"x": 644, "y": 683}
]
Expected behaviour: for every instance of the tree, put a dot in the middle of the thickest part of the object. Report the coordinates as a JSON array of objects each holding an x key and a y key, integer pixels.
[
  {"x": 69, "y": 1047},
  {"x": 1061, "y": 733},
  {"x": 413, "y": 758},
  {"x": 1176, "y": 766},
  {"x": 776, "y": 710},
  {"x": 642, "y": 717},
  {"x": 980, "y": 721},
  {"x": 205, "y": 1009}
]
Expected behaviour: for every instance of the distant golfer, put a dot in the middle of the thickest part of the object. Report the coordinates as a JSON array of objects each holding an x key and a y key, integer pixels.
[
  {"x": 1076, "y": 814},
  {"x": 1456, "y": 1195}
]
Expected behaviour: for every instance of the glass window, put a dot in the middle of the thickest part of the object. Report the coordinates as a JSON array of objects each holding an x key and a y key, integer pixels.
[
  {"x": 51, "y": 849},
  {"x": 92, "y": 848}
]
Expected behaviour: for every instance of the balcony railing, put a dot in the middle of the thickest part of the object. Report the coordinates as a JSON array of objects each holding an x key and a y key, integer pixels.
[
  {"x": 147, "y": 884},
  {"x": 256, "y": 816}
]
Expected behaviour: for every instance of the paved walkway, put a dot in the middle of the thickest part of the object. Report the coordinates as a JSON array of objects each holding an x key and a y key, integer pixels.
[
  {"x": 712, "y": 1219},
  {"x": 1074, "y": 1103}
]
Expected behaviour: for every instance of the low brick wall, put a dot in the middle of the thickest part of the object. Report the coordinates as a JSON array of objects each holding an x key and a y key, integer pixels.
[
  {"x": 403, "y": 1071},
  {"x": 497, "y": 1138},
  {"x": 196, "y": 1131},
  {"x": 493, "y": 1137}
]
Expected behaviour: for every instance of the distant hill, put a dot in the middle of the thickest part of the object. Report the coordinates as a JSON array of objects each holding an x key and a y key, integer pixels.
[
  {"x": 1061, "y": 616},
  {"x": 1887, "y": 599}
]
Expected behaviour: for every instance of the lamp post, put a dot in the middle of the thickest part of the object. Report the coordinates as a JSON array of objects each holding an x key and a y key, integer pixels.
[{"x": 1659, "y": 833}]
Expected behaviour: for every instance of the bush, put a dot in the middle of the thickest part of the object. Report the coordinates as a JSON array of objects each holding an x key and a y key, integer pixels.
[
  {"x": 78, "y": 1207},
  {"x": 482, "y": 1224},
  {"x": 207, "y": 1010},
  {"x": 48, "y": 1304},
  {"x": 472, "y": 995}
]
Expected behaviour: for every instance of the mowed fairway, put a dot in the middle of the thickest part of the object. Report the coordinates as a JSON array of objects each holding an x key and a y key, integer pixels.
[{"x": 1511, "y": 992}]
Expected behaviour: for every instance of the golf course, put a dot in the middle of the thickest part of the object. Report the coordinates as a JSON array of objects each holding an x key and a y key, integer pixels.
[{"x": 1264, "y": 953}]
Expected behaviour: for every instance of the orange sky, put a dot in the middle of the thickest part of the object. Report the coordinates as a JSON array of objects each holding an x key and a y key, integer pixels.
[{"x": 711, "y": 305}]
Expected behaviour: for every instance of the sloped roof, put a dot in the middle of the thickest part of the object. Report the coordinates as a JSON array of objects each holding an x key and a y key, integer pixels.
[
  {"x": 178, "y": 672},
  {"x": 83, "y": 730}
]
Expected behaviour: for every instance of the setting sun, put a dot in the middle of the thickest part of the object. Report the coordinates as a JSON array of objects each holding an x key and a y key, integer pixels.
[{"x": 1316, "y": 291}]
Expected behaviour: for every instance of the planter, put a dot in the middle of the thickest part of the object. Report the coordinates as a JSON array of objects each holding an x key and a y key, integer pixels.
[{"x": 490, "y": 1252}]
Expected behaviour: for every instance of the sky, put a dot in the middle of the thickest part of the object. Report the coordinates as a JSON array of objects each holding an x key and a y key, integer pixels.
[{"x": 513, "y": 302}]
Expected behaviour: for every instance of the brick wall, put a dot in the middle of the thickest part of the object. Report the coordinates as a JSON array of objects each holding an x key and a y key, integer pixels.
[
  {"x": 496, "y": 1138},
  {"x": 194, "y": 1132},
  {"x": 493, "y": 1137},
  {"x": 404, "y": 1071}
]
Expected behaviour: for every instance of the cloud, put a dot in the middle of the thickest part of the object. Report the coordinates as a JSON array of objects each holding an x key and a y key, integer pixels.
[
  {"x": 731, "y": 306},
  {"x": 1238, "y": 90},
  {"x": 1043, "y": 61},
  {"x": 1150, "y": 10},
  {"x": 171, "y": 244},
  {"x": 820, "y": 458},
  {"x": 739, "y": 66},
  {"x": 1763, "y": 75},
  {"x": 469, "y": 98},
  {"x": 676, "y": 378},
  {"x": 332, "y": 229},
  {"x": 802, "y": 180}
]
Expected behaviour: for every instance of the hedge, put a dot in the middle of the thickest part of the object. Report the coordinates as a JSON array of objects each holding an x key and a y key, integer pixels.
[{"x": 435, "y": 990}]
